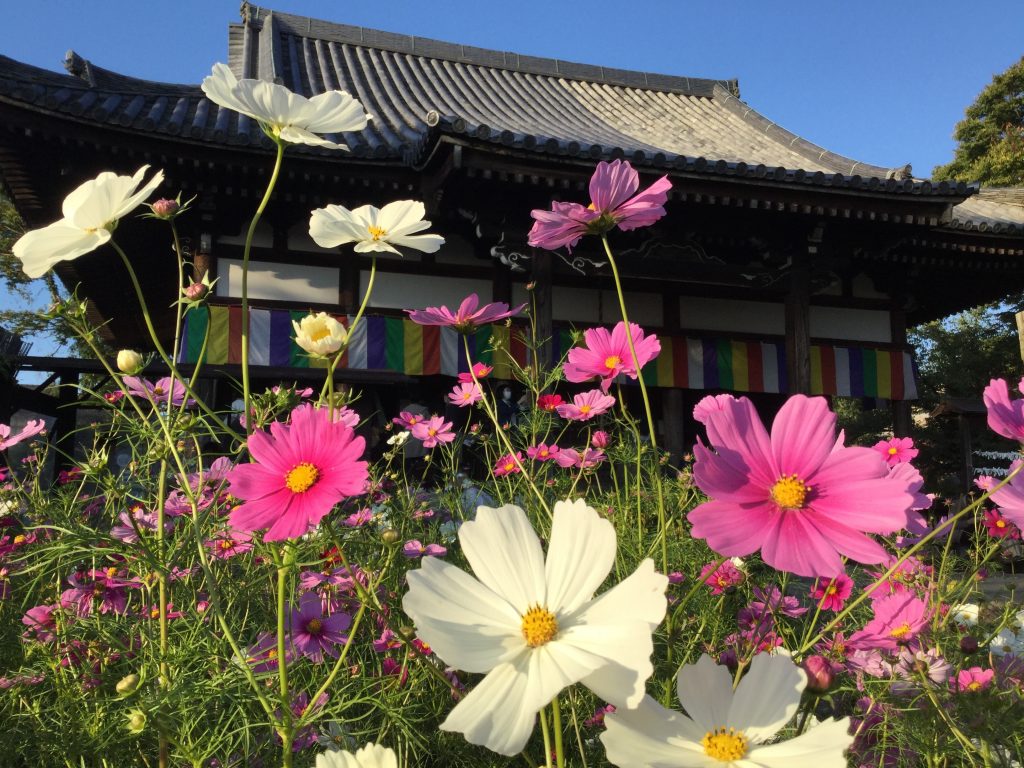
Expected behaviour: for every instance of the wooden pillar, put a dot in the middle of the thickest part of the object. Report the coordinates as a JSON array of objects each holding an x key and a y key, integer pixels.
[
  {"x": 673, "y": 437},
  {"x": 348, "y": 285},
  {"x": 902, "y": 421},
  {"x": 501, "y": 283},
  {"x": 798, "y": 326},
  {"x": 542, "y": 273},
  {"x": 966, "y": 454},
  {"x": 67, "y": 418}
]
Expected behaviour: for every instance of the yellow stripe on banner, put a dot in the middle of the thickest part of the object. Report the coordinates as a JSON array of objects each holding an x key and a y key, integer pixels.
[
  {"x": 500, "y": 338},
  {"x": 816, "y": 384},
  {"x": 413, "y": 336},
  {"x": 217, "y": 347},
  {"x": 664, "y": 364},
  {"x": 740, "y": 367},
  {"x": 884, "y": 373}
]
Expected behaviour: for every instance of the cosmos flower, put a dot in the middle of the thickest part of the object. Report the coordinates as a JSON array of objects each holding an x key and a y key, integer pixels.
[
  {"x": 723, "y": 727},
  {"x": 433, "y": 431},
  {"x": 614, "y": 203},
  {"x": 549, "y": 402},
  {"x": 606, "y": 355},
  {"x": 91, "y": 213},
  {"x": 586, "y": 406},
  {"x": 480, "y": 371},
  {"x": 467, "y": 318},
  {"x": 896, "y": 450},
  {"x": 300, "y": 471},
  {"x": 465, "y": 394},
  {"x": 164, "y": 390},
  {"x": 416, "y": 548},
  {"x": 972, "y": 680},
  {"x": 32, "y": 428},
  {"x": 722, "y": 577},
  {"x": 1005, "y": 416},
  {"x": 285, "y": 115},
  {"x": 320, "y": 334},
  {"x": 898, "y": 620},
  {"x": 370, "y": 756},
  {"x": 508, "y": 464},
  {"x": 312, "y": 633},
  {"x": 374, "y": 229},
  {"x": 542, "y": 451},
  {"x": 802, "y": 499},
  {"x": 533, "y": 626},
  {"x": 831, "y": 594}
]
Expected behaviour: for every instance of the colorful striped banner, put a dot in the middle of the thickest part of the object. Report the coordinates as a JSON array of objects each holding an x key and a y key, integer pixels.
[{"x": 400, "y": 345}]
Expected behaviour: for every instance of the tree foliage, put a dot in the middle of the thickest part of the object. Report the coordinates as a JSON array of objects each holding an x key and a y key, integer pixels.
[{"x": 991, "y": 135}]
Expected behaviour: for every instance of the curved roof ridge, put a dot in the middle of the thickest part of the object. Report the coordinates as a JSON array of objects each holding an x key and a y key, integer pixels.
[
  {"x": 305, "y": 26},
  {"x": 838, "y": 163}
]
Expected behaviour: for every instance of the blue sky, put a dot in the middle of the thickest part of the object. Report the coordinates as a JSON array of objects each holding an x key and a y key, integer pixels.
[{"x": 880, "y": 81}]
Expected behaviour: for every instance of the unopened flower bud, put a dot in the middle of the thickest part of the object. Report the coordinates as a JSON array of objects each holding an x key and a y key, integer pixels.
[
  {"x": 389, "y": 536},
  {"x": 136, "y": 721},
  {"x": 196, "y": 291},
  {"x": 127, "y": 684},
  {"x": 599, "y": 439},
  {"x": 968, "y": 644},
  {"x": 819, "y": 673},
  {"x": 165, "y": 208},
  {"x": 129, "y": 361}
]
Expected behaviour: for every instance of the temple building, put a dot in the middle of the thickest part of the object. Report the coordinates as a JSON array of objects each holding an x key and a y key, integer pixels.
[{"x": 780, "y": 266}]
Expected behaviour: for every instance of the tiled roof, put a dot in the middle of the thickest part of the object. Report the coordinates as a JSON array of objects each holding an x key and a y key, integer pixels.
[{"x": 999, "y": 210}]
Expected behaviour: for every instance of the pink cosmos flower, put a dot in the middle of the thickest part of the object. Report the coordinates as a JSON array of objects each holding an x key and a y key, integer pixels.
[
  {"x": 972, "y": 680},
  {"x": 831, "y": 594},
  {"x": 261, "y": 656},
  {"x": 300, "y": 472},
  {"x": 357, "y": 519},
  {"x": 999, "y": 527},
  {"x": 614, "y": 203},
  {"x": 798, "y": 495},
  {"x": 228, "y": 543},
  {"x": 606, "y": 355},
  {"x": 985, "y": 483},
  {"x": 930, "y": 662},
  {"x": 145, "y": 521},
  {"x": 508, "y": 465},
  {"x": 312, "y": 633},
  {"x": 721, "y": 578},
  {"x": 898, "y": 620},
  {"x": 543, "y": 452},
  {"x": 347, "y": 416},
  {"x": 415, "y": 548},
  {"x": 570, "y": 457},
  {"x": 89, "y": 587},
  {"x": 161, "y": 392},
  {"x": 600, "y": 439},
  {"x": 897, "y": 450},
  {"x": 407, "y": 419},
  {"x": 597, "y": 719},
  {"x": 467, "y": 317},
  {"x": 586, "y": 405},
  {"x": 433, "y": 431},
  {"x": 480, "y": 370},
  {"x": 32, "y": 428},
  {"x": 549, "y": 403},
  {"x": 465, "y": 394},
  {"x": 1005, "y": 416},
  {"x": 41, "y": 623}
]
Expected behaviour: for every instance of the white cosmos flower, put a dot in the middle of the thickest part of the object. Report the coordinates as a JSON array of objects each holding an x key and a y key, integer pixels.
[
  {"x": 533, "y": 626},
  {"x": 90, "y": 215},
  {"x": 726, "y": 728},
  {"x": 286, "y": 115},
  {"x": 965, "y": 614},
  {"x": 370, "y": 756},
  {"x": 374, "y": 229},
  {"x": 319, "y": 334}
]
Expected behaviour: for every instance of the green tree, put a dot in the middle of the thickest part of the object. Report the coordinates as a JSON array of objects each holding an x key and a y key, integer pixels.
[{"x": 991, "y": 135}]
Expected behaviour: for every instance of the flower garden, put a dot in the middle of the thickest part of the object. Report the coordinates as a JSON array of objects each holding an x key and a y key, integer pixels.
[{"x": 255, "y": 592}]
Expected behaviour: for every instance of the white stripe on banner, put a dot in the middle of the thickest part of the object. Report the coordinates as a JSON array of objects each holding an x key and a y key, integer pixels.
[
  {"x": 450, "y": 342},
  {"x": 909, "y": 383},
  {"x": 259, "y": 336},
  {"x": 357, "y": 345},
  {"x": 842, "y": 371},
  {"x": 695, "y": 363},
  {"x": 770, "y": 365}
]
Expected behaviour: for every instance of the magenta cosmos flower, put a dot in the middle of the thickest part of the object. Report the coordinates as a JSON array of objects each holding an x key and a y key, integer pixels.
[
  {"x": 586, "y": 406},
  {"x": 897, "y": 450},
  {"x": 465, "y": 394},
  {"x": 614, "y": 203},
  {"x": 606, "y": 355},
  {"x": 798, "y": 495},
  {"x": 312, "y": 633},
  {"x": 162, "y": 391},
  {"x": 831, "y": 594},
  {"x": 300, "y": 472},
  {"x": 433, "y": 431},
  {"x": 898, "y": 620},
  {"x": 467, "y": 317},
  {"x": 1005, "y": 416},
  {"x": 32, "y": 428},
  {"x": 972, "y": 680}
]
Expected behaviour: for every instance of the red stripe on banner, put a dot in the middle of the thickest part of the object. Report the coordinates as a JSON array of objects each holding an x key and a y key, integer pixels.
[
  {"x": 235, "y": 334},
  {"x": 828, "y": 370},
  {"x": 897, "y": 374},
  {"x": 516, "y": 346},
  {"x": 755, "y": 367},
  {"x": 431, "y": 350},
  {"x": 680, "y": 363}
]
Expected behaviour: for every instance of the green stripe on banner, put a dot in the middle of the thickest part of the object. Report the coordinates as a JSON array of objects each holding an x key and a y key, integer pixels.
[
  {"x": 217, "y": 348},
  {"x": 300, "y": 358},
  {"x": 482, "y": 338},
  {"x": 650, "y": 373},
  {"x": 870, "y": 373},
  {"x": 724, "y": 348},
  {"x": 394, "y": 344},
  {"x": 198, "y": 321}
]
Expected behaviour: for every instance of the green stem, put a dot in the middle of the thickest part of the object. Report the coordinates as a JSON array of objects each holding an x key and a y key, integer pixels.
[
  {"x": 164, "y": 754},
  {"x": 286, "y": 728},
  {"x": 546, "y": 733},
  {"x": 246, "y": 392},
  {"x": 556, "y": 725},
  {"x": 352, "y": 327}
]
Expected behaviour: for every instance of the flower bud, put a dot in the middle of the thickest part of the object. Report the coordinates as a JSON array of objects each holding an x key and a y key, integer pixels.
[
  {"x": 819, "y": 673},
  {"x": 599, "y": 439},
  {"x": 968, "y": 644},
  {"x": 165, "y": 208},
  {"x": 129, "y": 361},
  {"x": 196, "y": 291},
  {"x": 389, "y": 536},
  {"x": 319, "y": 334},
  {"x": 136, "y": 721},
  {"x": 127, "y": 684}
]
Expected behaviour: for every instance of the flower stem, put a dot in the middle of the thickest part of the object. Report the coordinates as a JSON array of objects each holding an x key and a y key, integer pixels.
[
  {"x": 556, "y": 724},
  {"x": 246, "y": 392},
  {"x": 351, "y": 328},
  {"x": 164, "y": 757},
  {"x": 285, "y": 728},
  {"x": 546, "y": 733}
]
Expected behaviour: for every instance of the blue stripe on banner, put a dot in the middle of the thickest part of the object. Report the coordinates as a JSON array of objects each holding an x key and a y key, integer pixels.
[
  {"x": 770, "y": 367},
  {"x": 376, "y": 342},
  {"x": 694, "y": 364},
  {"x": 450, "y": 343},
  {"x": 856, "y": 372},
  {"x": 259, "y": 336},
  {"x": 463, "y": 364},
  {"x": 357, "y": 345},
  {"x": 281, "y": 338},
  {"x": 710, "y": 364},
  {"x": 909, "y": 377}
]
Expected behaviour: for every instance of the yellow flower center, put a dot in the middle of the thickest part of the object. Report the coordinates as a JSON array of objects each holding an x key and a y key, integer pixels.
[
  {"x": 225, "y": 544},
  {"x": 539, "y": 626},
  {"x": 302, "y": 477},
  {"x": 431, "y": 431},
  {"x": 467, "y": 395},
  {"x": 612, "y": 361},
  {"x": 158, "y": 390},
  {"x": 19, "y": 539},
  {"x": 377, "y": 233},
  {"x": 974, "y": 685},
  {"x": 789, "y": 492},
  {"x": 1000, "y": 523},
  {"x": 901, "y": 631},
  {"x": 893, "y": 451},
  {"x": 509, "y": 466},
  {"x": 831, "y": 589},
  {"x": 584, "y": 409},
  {"x": 724, "y": 745},
  {"x": 154, "y": 612},
  {"x": 314, "y": 627},
  {"x": 320, "y": 333}
]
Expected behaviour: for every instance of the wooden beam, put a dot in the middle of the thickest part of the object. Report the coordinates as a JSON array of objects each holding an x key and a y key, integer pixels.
[
  {"x": 542, "y": 268},
  {"x": 798, "y": 326}
]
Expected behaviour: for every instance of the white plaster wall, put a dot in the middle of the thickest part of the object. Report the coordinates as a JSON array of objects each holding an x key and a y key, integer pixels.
[
  {"x": 278, "y": 281},
  {"x": 262, "y": 238},
  {"x": 864, "y": 288},
  {"x": 732, "y": 315},
  {"x": 853, "y": 324},
  {"x": 393, "y": 290},
  {"x": 590, "y": 305}
]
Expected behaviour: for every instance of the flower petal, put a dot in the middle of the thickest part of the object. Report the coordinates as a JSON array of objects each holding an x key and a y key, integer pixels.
[
  {"x": 651, "y": 735},
  {"x": 803, "y": 435},
  {"x": 705, "y": 691},
  {"x": 767, "y": 697},
  {"x": 580, "y": 555},
  {"x": 40, "y": 249},
  {"x": 505, "y": 554},
  {"x": 822, "y": 746}
]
